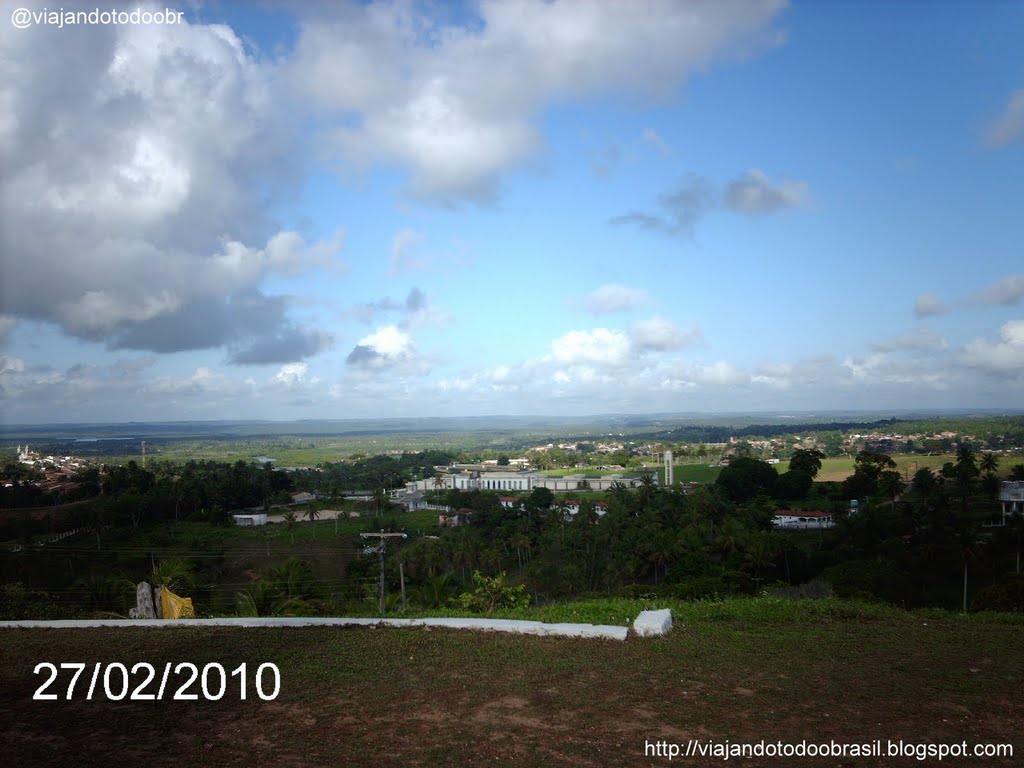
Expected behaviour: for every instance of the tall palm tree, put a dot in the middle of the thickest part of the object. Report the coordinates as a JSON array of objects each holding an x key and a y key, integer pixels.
[
  {"x": 760, "y": 555},
  {"x": 380, "y": 500},
  {"x": 966, "y": 473},
  {"x": 989, "y": 463},
  {"x": 289, "y": 520},
  {"x": 967, "y": 542}
]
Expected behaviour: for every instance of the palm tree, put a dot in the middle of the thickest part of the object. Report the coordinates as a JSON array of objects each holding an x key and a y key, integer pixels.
[
  {"x": 289, "y": 520},
  {"x": 647, "y": 486},
  {"x": 437, "y": 590},
  {"x": 294, "y": 578},
  {"x": 989, "y": 463},
  {"x": 379, "y": 499},
  {"x": 760, "y": 554},
  {"x": 173, "y": 573},
  {"x": 967, "y": 542},
  {"x": 105, "y": 592},
  {"x": 924, "y": 481},
  {"x": 312, "y": 514},
  {"x": 966, "y": 472},
  {"x": 659, "y": 549},
  {"x": 264, "y": 599}
]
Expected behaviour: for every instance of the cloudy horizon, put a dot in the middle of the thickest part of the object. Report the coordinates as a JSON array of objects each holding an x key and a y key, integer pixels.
[{"x": 287, "y": 211}]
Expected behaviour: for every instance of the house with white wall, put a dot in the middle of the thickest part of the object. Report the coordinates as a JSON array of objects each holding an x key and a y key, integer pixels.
[{"x": 789, "y": 519}]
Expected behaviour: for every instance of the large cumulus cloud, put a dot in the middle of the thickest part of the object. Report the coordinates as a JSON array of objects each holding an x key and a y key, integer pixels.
[
  {"x": 134, "y": 202},
  {"x": 456, "y": 104}
]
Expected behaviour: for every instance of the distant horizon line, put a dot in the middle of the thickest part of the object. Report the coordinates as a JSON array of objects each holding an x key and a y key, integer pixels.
[{"x": 779, "y": 414}]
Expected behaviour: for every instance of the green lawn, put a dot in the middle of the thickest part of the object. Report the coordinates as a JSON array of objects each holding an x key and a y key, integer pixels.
[
  {"x": 832, "y": 469},
  {"x": 739, "y": 671}
]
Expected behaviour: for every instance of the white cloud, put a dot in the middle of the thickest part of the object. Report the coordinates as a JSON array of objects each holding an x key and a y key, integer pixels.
[
  {"x": 287, "y": 253},
  {"x": 292, "y": 374},
  {"x": 1005, "y": 356},
  {"x": 388, "y": 341},
  {"x": 596, "y": 347},
  {"x": 659, "y": 334},
  {"x": 614, "y": 298},
  {"x": 609, "y": 348},
  {"x": 1009, "y": 126},
  {"x": 387, "y": 348},
  {"x": 755, "y": 193},
  {"x": 456, "y": 105},
  {"x": 882, "y": 368},
  {"x": 808, "y": 372},
  {"x": 134, "y": 195},
  {"x": 11, "y": 364},
  {"x": 720, "y": 373}
]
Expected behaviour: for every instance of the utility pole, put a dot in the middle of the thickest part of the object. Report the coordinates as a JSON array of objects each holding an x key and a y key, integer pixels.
[
  {"x": 143, "y": 454},
  {"x": 382, "y": 538},
  {"x": 401, "y": 575}
]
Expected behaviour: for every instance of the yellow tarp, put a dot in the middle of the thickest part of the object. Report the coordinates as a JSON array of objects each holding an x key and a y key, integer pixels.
[{"x": 175, "y": 607}]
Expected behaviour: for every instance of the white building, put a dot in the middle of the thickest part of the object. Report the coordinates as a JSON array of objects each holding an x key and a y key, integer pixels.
[
  {"x": 505, "y": 480},
  {"x": 1012, "y": 492},
  {"x": 581, "y": 482},
  {"x": 246, "y": 520},
  {"x": 789, "y": 519}
]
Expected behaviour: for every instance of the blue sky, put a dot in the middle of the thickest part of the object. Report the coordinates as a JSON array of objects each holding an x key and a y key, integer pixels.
[{"x": 388, "y": 209}]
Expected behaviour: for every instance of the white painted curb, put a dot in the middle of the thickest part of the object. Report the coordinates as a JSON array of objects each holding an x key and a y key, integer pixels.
[
  {"x": 653, "y": 623},
  {"x": 600, "y": 631}
]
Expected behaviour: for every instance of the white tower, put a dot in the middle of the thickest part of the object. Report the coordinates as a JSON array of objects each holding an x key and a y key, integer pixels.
[{"x": 668, "y": 468}]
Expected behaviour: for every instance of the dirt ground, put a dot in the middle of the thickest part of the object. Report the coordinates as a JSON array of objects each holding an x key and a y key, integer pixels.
[{"x": 420, "y": 697}]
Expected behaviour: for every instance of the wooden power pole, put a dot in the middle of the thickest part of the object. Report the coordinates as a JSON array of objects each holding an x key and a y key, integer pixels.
[{"x": 382, "y": 538}]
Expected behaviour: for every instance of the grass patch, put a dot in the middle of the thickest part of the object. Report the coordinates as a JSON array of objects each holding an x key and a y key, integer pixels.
[{"x": 617, "y": 611}]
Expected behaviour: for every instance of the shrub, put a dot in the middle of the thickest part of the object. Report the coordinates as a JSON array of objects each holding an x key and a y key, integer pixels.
[
  {"x": 491, "y": 593},
  {"x": 18, "y": 602},
  {"x": 1007, "y": 595}
]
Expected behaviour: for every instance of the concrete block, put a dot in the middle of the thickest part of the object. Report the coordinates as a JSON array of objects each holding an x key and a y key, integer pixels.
[{"x": 653, "y": 623}]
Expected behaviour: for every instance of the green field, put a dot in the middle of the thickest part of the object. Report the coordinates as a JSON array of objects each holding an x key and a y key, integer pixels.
[
  {"x": 832, "y": 469},
  {"x": 742, "y": 671}
]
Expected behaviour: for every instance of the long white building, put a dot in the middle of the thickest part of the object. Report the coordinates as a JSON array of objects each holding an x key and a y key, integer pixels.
[{"x": 503, "y": 480}]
